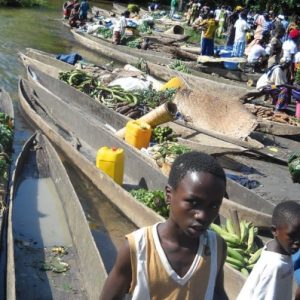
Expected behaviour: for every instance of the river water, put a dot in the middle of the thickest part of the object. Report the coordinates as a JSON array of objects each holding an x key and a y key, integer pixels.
[{"x": 40, "y": 28}]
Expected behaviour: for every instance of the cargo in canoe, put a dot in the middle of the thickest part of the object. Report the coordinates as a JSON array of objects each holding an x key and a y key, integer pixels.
[
  {"x": 83, "y": 157},
  {"x": 51, "y": 252}
]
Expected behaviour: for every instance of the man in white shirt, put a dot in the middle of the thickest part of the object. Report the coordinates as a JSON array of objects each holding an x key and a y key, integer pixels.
[{"x": 241, "y": 27}]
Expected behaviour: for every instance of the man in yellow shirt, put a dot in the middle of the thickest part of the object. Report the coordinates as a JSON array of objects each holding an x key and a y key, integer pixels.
[{"x": 210, "y": 26}]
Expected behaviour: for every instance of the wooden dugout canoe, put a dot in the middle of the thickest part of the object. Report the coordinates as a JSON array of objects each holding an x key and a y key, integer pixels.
[
  {"x": 6, "y": 106},
  {"x": 38, "y": 221},
  {"x": 135, "y": 211}
]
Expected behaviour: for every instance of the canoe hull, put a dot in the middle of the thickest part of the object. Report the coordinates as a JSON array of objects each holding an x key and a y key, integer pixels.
[{"x": 90, "y": 264}]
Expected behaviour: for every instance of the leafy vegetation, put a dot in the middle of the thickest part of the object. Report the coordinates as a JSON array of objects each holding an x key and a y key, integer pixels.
[{"x": 153, "y": 199}]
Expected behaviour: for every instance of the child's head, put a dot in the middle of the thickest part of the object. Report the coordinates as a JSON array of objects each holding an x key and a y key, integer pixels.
[
  {"x": 195, "y": 191},
  {"x": 286, "y": 226}
]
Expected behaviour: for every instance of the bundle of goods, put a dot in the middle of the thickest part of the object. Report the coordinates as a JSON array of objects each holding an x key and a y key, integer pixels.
[{"x": 133, "y": 104}]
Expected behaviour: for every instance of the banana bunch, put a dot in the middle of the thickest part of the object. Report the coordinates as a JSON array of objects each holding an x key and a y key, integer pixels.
[
  {"x": 242, "y": 250},
  {"x": 179, "y": 66}
]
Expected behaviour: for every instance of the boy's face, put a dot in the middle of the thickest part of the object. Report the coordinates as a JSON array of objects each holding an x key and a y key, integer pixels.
[
  {"x": 288, "y": 236},
  {"x": 195, "y": 203}
]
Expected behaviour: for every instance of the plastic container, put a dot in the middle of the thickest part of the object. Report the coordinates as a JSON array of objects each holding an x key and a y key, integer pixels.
[
  {"x": 111, "y": 162},
  {"x": 173, "y": 83},
  {"x": 138, "y": 134}
]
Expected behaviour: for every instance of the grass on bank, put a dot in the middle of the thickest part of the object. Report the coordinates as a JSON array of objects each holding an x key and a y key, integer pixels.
[{"x": 22, "y": 3}]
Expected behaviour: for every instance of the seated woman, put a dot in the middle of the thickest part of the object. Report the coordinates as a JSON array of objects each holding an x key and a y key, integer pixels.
[{"x": 274, "y": 83}]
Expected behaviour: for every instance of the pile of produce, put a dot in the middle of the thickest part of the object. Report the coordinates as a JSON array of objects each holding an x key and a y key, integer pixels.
[
  {"x": 294, "y": 166},
  {"x": 134, "y": 43},
  {"x": 166, "y": 152},
  {"x": 179, "y": 66},
  {"x": 153, "y": 199},
  {"x": 133, "y": 104},
  {"x": 145, "y": 28},
  {"x": 268, "y": 113},
  {"x": 6, "y": 139},
  {"x": 105, "y": 32},
  {"x": 163, "y": 134},
  {"x": 242, "y": 251}
]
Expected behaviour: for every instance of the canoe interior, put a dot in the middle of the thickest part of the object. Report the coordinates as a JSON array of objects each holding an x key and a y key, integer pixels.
[{"x": 45, "y": 213}]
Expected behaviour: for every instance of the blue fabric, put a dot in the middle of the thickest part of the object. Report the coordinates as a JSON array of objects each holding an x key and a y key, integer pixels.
[
  {"x": 71, "y": 59},
  {"x": 296, "y": 260},
  {"x": 207, "y": 47},
  {"x": 244, "y": 181},
  {"x": 238, "y": 49}
]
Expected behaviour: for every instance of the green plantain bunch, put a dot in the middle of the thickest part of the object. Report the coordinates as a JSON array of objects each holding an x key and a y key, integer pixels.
[{"x": 242, "y": 250}]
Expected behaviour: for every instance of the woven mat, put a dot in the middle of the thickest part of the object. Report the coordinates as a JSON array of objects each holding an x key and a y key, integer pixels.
[{"x": 214, "y": 113}]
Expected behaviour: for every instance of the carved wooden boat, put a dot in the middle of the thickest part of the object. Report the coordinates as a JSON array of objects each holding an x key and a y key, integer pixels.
[{"x": 46, "y": 219}]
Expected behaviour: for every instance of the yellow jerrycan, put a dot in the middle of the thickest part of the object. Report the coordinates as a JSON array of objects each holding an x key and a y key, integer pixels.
[
  {"x": 111, "y": 162},
  {"x": 138, "y": 134}
]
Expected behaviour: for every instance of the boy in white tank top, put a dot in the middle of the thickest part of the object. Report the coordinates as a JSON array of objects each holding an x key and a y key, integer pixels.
[
  {"x": 272, "y": 276},
  {"x": 179, "y": 258}
]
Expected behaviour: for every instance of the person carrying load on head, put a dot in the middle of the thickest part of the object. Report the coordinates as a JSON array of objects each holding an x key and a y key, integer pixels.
[
  {"x": 180, "y": 258},
  {"x": 119, "y": 27}
]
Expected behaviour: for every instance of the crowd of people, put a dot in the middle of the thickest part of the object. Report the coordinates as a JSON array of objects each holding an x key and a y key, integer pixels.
[{"x": 270, "y": 44}]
